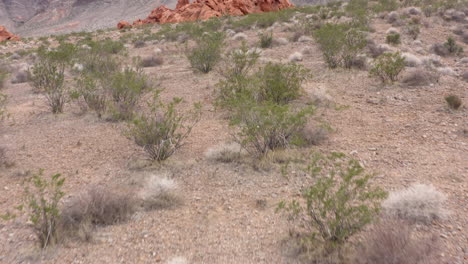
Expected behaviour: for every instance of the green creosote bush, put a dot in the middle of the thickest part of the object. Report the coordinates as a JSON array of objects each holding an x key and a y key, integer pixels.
[
  {"x": 453, "y": 47},
  {"x": 280, "y": 83},
  {"x": 393, "y": 38},
  {"x": 340, "y": 44},
  {"x": 207, "y": 52},
  {"x": 388, "y": 67},
  {"x": 238, "y": 62},
  {"x": 263, "y": 20},
  {"x": 109, "y": 46},
  {"x": 99, "y": 65},
  {"x": 266, "y": 39},
  {"x": 357, "y": 9},
  {"x": 453, "y": 101},
  {"x": 413, "y": 30},
  {"x": 124, "y": 90},
  {"x": 48, "y": 76},
  {"x": 89, "y": 91},
  {"x": 63, "y": 54},
  {"x": 338, "y": 205},
  {"x": 268, "y": 126},
  {"x": 385, "y": 6},
  {"x": 3, "y": 76},
  {"x": 43, "y": 206},
  {"x": 116, "y": 94},
  {"x": 3, "y": 112},
  {"x": 164, "y": 130},
  {"x": 275, "y": 82}
]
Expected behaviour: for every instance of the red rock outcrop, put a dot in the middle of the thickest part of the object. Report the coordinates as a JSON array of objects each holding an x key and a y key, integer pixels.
[
  {"x": 205, "y": 9},
  {"x": 5, "y": 35},
  {"x": 123, "y": 24}
]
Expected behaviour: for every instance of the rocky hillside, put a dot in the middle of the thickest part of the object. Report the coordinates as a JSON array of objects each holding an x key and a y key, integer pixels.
[{"x": 43, "y": 17}]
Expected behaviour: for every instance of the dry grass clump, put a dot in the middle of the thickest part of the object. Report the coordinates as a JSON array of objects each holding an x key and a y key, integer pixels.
[
  {"x": 393, "y": 242},
  {"x": 314, "y": 135},
  {"x": 151, "y": 61},
  {"x": 3, "y": 75},
  {"x": 158, "y": 193},
  {"x": 225, "y": 153},
  {"x": 419, "y": 77},
  {"x": 97, "y": 206},
  {"x": 139, "y": 44},
  {"x": 4, "y": 160},
  {"x": 418, "y": 203},
  {"x": 20, "y": 76}
]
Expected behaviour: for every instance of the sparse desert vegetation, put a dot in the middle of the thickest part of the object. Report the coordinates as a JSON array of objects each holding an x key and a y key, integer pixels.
[{"x": 330, "y": 133}]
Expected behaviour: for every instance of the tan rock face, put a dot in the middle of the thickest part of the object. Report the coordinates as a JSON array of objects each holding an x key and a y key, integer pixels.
[
  {"x": 5, "y": 35},
  {"x": 205, "y": 9}
]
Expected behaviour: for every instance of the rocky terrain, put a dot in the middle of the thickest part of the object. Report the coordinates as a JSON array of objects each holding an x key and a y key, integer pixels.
[
  {"x": 46, "y": 17},
  {"x": 5, "y": 35},
  {"x": 203, "y": 10},
  {"x": 222, "y": 209}
]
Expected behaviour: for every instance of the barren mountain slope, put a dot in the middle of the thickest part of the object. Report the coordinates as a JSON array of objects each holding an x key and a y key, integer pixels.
[{"x": 44, "y": 17}]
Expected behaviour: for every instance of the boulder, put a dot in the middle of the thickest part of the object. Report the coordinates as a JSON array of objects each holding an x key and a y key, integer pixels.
[
  {"x": 123, "y": 24},
  {"x": 205, "y": 9},
  {"x": 5, "y": 35}
]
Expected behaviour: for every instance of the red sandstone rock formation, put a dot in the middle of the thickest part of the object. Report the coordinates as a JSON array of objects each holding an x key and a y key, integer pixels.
[
  {"x": 123, "y": 24},
  {"x": 205, "y": 9},
  {"x": 5, "y": 35}
]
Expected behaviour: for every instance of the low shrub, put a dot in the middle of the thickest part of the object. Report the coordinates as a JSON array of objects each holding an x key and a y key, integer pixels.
[
  {"x": 266, "y": 39},
  {"x": 393, "y": 38},
  {"x": 43, "y": 207},
  {"x": 207, "y": 52},
  {"x": 158, "y": 193},
  {"x": 280, "y": 83},
  {"x": 3, "y": 76},
  {"x": 388, "y": 67},
  {"x": 97, "y": 206},
  {"x": 268, "y": 126},
  {"x": 453, "y": 47},
  {"x": 139, "y": 44},
  {"x": 392, "y": 242},
  {"x": 340, "y": 44},
  {"x": 124, "y": 89},
  {"x": 413, "y": 30},
  {"x": 419, "y": 77},
  {"x": 48, "y": 76},
  {"x": 108, "y": 46},
  {"x": 225, "y": 153},
  {"x": 275, "y": 82},
  {"x": 99, "y": 65},
  {"x": 151, "y": 61},
  {"x": 164, "y": 130},
  {"x": 454, "y": 102},
  {"x": 3, "y": 102},
  {"x": 340, "y": 203},
  {"x": 238, "y": 62},
  {"x": 385, "y": 6},
  {"x": 418, "y": 203},
  {"x": 358, "y": 11},
  {"x": 94, "y": 98}
]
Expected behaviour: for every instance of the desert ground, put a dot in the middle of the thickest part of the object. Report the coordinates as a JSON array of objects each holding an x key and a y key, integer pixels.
[{"x": 225, "y": 212}]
